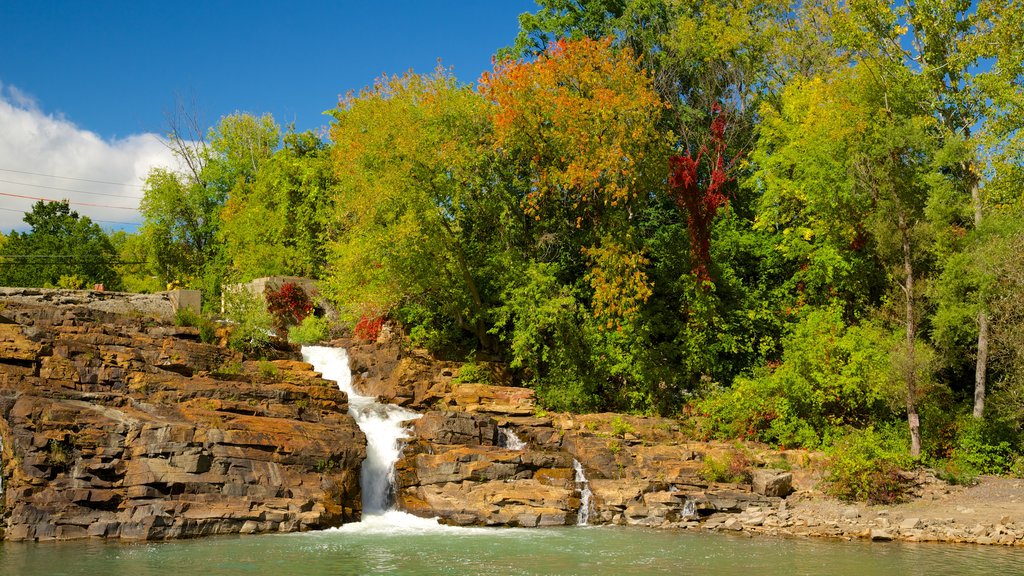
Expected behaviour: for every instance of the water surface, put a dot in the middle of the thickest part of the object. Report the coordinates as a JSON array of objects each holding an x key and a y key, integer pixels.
[{"x": 384, "y": 546}]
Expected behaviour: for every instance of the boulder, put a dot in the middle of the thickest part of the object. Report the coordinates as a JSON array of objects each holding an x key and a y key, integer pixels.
[{"x": 770, "y": 482}]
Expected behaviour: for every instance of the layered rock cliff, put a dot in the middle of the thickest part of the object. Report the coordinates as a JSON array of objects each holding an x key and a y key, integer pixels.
[
  {"x": 120, "y": 426},
  {"x": 641, "y": 471}
]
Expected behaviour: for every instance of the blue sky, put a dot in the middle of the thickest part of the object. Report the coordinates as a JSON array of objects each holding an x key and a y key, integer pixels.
[{"x": 84, "y": 86}]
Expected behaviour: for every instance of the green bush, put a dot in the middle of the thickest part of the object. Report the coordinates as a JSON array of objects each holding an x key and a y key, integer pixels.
[
  {"x": 867, "y": 465},
  {"x": 311, "y": 330},
  {"x": 252, "y": 323},
  {"x": 831, "y": 376},
  {"x": 733, "y": 468},
  {"x": 983, "y": 447},
  {"x": 620, "y": 427},
  {"x": 267, "y": 369},
  {"x": 473, "y": 373},
  {"x": 207, "y": 328}
]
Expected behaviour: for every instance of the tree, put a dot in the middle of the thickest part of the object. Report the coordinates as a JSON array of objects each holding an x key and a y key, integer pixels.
[
  {"x": 580, "y": 124},
  {"x": 875, "y": 168},
  {"x": 968, "y": 60},
  {"x": 60, "y": 243},
  {"x": 416, "y": 209},
  {"x": 283, "y": 220},
  {"x": 182, "y": 211}
]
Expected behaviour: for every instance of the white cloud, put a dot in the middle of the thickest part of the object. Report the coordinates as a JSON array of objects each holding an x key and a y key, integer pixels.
[{"x": 42, "y": 156}]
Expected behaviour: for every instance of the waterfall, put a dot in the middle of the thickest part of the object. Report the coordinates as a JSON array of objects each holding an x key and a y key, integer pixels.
[
  {"x": 508, "y": 439},
  {"x": 689, "y": 509},
  {"x": 584, "y": 485},
  {"x": 383, "y": 424}
]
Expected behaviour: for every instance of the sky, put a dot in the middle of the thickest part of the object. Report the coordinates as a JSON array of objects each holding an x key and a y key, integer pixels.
[{"x": 86, "y": 87}]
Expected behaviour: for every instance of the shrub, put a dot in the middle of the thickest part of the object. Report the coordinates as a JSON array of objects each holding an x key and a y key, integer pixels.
[
  {"x": 982, "y": 447},
  {"x": 473, "y": 373},
  {"x": 734, "y": 468},
  {"x": 252, "y": 322},
  {"x": 71, "y": 282},
  {"x": 867, "y": 465},
  {"x": 368, "y": 327},
  {"x": 289, "y": 305},
  {"x": 831, "y": 376},
  {"x": 267, "y": 369},
  {"x": 620, "y": 427},
  {"x": 312, "y": 330},
  {"x": 207, "y": 328},
  {"x": 186, "y": 317}
]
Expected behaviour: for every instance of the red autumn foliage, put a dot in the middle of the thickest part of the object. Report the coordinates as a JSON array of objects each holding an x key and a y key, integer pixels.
[
  {"x": 368, "y": 328},
  {"x": 289, "y": 305},
  {"x": 697, "y": 189}
]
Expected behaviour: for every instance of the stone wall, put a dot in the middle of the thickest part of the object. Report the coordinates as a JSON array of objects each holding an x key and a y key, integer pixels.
[{"x": 161, "y": 305}]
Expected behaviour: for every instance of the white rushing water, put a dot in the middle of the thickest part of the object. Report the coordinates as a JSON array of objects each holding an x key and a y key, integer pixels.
[
  {"x": 584, "y": 485},
  {"x": 385, "y": 429},
  {"x": 510, "y": 441}
]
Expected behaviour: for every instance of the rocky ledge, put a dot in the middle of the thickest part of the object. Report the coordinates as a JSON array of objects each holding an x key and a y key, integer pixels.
[{"x": 120, "y": 426}]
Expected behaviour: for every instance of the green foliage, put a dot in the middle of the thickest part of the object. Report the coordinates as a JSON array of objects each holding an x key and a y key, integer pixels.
[
  {"x": 312, "y": 330},
  {"x": 984, "y": 447},
  {"x": 187, "y": 317},
  {"x": 867, "y": 465},
  {"x": 72, "y": 282},
  {"x": 252, "y": 324},
  {"x": 418, "y": 208},
  {"x": 280, "y": 222},
  {"x": 620, "y": 427},
  {"x": 831, "y": 376},
  {"x": 59, "y": 246},
  {"x": 733, "y": 467},
  {"x": 267, "y": 369},
  {"x": 473, "y": 373}
]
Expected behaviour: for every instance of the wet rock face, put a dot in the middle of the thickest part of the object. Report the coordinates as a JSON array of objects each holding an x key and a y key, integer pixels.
[{"x": 120, "y": 427}]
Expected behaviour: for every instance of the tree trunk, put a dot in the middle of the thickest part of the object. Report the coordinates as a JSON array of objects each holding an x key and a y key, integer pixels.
[
  {"x": 981, "y": 363},
  {"x": 910, "y": 373},
  {"x": 981, "y": 366}
]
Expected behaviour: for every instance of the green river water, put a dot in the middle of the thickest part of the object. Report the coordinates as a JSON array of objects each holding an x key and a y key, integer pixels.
[{"x": 419, "y": 547}]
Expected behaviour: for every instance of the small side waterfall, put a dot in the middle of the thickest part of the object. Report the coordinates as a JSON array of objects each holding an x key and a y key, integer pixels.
[
  {"x": 584, "y": 486},
  {"x": 508, "y": 439},
  {"x": 383, "y": 424}
]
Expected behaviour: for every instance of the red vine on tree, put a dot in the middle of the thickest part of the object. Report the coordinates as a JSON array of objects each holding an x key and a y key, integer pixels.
[{"x": 701, "y": 195}]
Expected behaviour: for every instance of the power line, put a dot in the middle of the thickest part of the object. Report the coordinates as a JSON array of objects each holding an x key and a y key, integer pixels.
[
  {"x": 70, "y": 190},
  {"x": 69, "y": 202},
  {"x": 89, "y": 217},
  {"x": 71, "y": 178}
]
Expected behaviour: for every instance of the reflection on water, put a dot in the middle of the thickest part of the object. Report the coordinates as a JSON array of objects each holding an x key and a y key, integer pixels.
[{"x": 406, "y": 547}]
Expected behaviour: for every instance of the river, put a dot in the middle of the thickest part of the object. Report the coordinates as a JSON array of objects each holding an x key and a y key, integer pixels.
[{"x": 408, "y": 548}]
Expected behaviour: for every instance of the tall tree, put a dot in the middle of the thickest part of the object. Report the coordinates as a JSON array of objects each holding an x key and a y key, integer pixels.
[
  {"x": 415, "y": 207},
  {"x": 859, "y": 151},
  {"x": 969, "y": 63},
  {"x": 59, "y": 243},
  {"x": 283, "y": 220}
]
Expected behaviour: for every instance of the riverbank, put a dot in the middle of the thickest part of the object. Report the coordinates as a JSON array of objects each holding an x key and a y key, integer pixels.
[{"x": 990, "y": 512}]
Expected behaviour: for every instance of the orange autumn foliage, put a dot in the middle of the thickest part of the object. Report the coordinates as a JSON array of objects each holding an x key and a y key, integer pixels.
[{"x": 582, "y": 120}]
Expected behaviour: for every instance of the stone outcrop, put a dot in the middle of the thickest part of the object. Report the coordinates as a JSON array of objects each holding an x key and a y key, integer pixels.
[
  {"x": 641, "y": 471},
  {"x": 456, "y": 469},
  {"x": 121, "y": 426}
]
